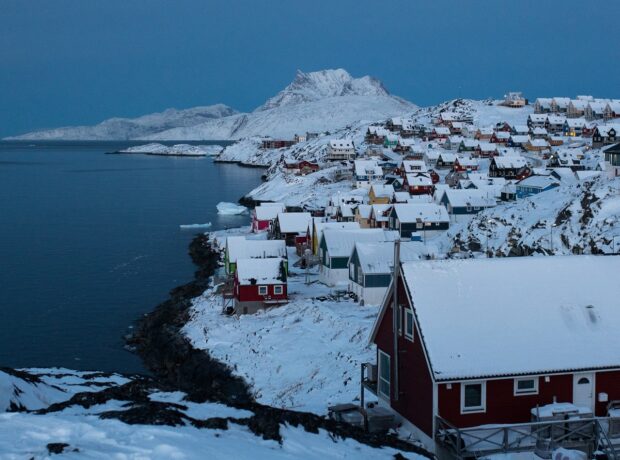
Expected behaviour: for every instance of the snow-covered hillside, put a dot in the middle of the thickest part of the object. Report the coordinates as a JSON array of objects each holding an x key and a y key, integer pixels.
[
  {"x": 316, "y": 101},
  {"x": 579, "y": 218},
  {"x": 323, "y": 115},
  {"x": 103, "y": 416},
  {"x": 133, "y": 128},
  {"x": 175, "y": 150}
]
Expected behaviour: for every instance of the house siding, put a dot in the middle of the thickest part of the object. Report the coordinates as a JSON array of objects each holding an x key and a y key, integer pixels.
[
  {"x": 502, "y": 406},
  {"x": 606, "y": 382},
  {"x": 415, "y": 401}
]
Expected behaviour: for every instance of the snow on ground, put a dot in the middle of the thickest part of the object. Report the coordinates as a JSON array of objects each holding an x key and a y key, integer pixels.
[
  {"x": 34, "y": 389},
  {"x": 584, "y": 217},
  {"x": 85, "y": 432},
  {"x": 24, "y": 436},
  {"x": 175, "y": 150},
  {"x": 230, "y": 209},
  {"x": 305, "y": 355}
]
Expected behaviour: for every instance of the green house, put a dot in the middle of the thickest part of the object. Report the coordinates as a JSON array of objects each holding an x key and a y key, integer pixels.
[{"x": 238, "y": 247}]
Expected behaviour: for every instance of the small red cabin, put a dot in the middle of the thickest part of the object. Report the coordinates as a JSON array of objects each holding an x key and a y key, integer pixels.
[
  {"x": 464, "y": 359},
  {"x": 419, "y": 184},
  {"x": 264, "y": 214},
  {"x": 259, "y": 283}
]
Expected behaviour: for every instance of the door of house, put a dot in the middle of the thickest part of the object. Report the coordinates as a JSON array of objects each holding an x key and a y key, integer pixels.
[{"x": 583, "y": 390}]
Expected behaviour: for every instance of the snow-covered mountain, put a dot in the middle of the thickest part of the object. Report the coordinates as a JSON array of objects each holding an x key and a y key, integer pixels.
[
  {"x": 315, "y": 101},
  {"x": 314, "y": 86},
  {"x": 133, "y": 128}
]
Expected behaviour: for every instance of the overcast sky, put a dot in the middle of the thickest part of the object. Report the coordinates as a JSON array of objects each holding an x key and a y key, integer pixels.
[{"x": 68, "y": 62}]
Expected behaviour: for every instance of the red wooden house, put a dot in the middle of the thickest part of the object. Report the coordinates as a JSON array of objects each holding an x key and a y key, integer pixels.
[
  {"x": 419, "y": 184},
  {"x": 474, "y": 347},
  {"x": 259, "y": 283},
  {"x": 263, "y": 216},
  {"x": 463, "y": 164}
]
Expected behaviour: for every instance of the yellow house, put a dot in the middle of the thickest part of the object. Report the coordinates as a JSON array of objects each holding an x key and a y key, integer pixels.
[
  {"x": 318, "y": 227},
  {"x": 380, "y": 194},
  {"x": 362, "y": 215}
]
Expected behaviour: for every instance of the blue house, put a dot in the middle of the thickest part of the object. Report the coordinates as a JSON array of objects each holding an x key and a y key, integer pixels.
[
  {"x": 535, "y": 184},
  {"x": 466, "y": 202}
]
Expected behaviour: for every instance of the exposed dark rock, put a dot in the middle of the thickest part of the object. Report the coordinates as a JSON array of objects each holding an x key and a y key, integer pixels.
[{"x": 56, "y": 447}]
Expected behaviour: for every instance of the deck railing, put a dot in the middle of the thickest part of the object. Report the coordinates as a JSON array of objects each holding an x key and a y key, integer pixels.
[{"x": 588, "y": 434}]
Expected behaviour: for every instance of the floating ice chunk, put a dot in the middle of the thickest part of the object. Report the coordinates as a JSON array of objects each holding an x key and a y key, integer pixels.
[
  {"x": 190, "y": 226},
  {"x": 230, "y": 209}
]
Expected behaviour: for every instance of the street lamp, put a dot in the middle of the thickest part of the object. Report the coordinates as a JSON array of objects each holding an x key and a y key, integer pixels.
[
  {"x": 551, "y": 238},
  {"x": 489, "y": 222}
]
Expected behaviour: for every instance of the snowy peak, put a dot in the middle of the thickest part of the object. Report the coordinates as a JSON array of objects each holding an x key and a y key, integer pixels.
[{"x": 314, "y": 86}]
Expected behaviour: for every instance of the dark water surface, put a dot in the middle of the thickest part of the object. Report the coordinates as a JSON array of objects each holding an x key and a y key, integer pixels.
[{"x": 89, "y": 242}]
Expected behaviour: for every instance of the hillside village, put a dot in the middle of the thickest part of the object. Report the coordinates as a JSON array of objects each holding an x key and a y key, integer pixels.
[{"x": 444, "y": 215}]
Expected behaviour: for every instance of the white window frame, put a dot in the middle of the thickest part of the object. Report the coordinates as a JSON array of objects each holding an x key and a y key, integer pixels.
[
  {"x": 474, "y": 410},
  {"x": 409, "y": 319},
  {"x": 261, "y": 288},
  {"x": 360, "y": 276},
  {"x": 379, "y": 379},
  {"x": 278, "y": 290},
  {"x": 533, "y": 391}
]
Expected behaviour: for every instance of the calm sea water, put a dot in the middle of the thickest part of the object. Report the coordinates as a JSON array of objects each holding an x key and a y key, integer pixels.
[{"x": 89, "y": 242}]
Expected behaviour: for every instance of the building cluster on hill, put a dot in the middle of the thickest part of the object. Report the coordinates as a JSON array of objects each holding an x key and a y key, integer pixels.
[{"x": 410, "y": 181}]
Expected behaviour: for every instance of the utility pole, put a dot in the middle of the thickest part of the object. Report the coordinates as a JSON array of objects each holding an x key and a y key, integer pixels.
[{"x": 395, "y": 316}]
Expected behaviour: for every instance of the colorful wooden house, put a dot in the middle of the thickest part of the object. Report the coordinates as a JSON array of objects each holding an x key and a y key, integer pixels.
[
  {"x": 264, "y": 214},
  {"x": 238, "y": 247},
  {"x": 259, "y": 284},
  {"x": 426, "y": 218},
  {"x": 335, "y": 249},
  {"x": 456, "y": 357}
]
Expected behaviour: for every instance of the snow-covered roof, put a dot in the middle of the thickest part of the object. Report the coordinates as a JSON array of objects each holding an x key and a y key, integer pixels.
[
  {"x": 510, "y": 162},
  {"x": 241, "y": 248},
  {"x": 268, "y": 211},
  {"x": 441, "y": 130},
  {"x": 556, "y": 120},
  {"x": 322, "y": 226},
  {"x": 414, "y": 166},
  {"x": 260, "y": 271},
  {"x": 448, "y": 157},
  {"x": 487, "y": 146},
  {"x": 341, "y": 144},
  {"x": 378, "y": 258},
  {"x": 538, "y": 181},
  {"x": 363, "y": 210},
  {"x": 523, "y": 128},
  {"x": 466, "y": 161},
  {"x": 538, "y": 117},
  {"x": 340, "y": 243},
  {"x": 555, "y": 314},
  {"x": 520, "y": 139},
  {"x": 380, "y": 211},
  {"x": 383, "y": 190},
  {"x": 463, "y": 198},
  {"x": 420, "y": 180},
  {"x": 502, "y": 135},
  {"x": 367, "y": 168},
  {"x": 401, "y": 197},
  {"x": 538, "y": 143},
  {"x": 424, "y": 212},
  {"x": 294, "y": 222}
]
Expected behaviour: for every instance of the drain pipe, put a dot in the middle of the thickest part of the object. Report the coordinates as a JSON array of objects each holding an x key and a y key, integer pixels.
[{"x": 395, "y": 315}]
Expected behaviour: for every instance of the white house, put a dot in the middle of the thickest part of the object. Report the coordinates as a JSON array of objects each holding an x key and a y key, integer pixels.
[
  {"x": 335, "y": 249},
  {"x": 340, "y": 149},
  {"x": 367, "y": 172}
]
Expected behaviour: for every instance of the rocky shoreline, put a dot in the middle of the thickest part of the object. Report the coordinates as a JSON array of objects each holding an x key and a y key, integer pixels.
[{"x": 164, "y": 349}]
